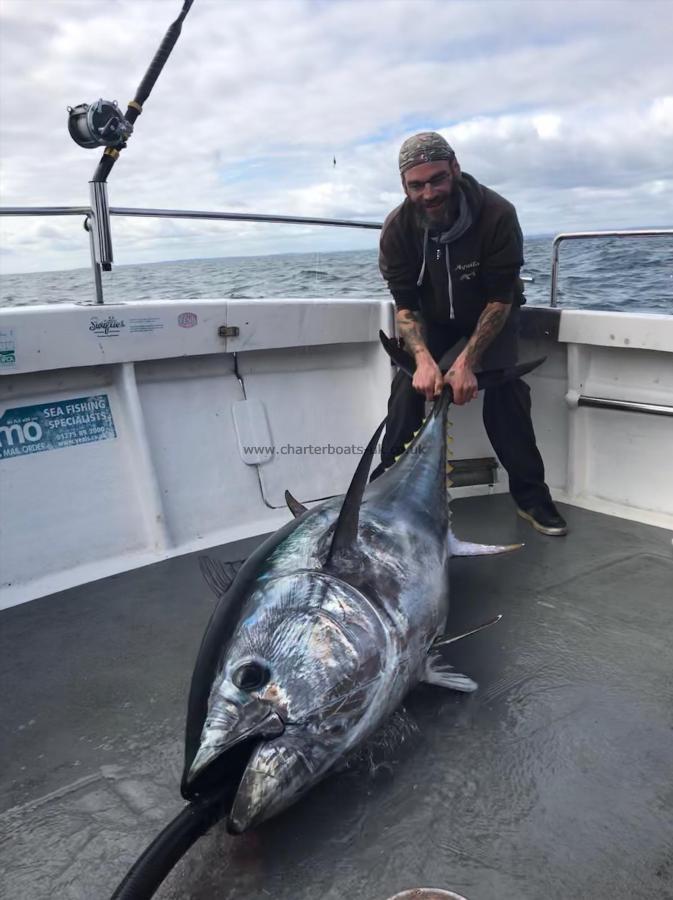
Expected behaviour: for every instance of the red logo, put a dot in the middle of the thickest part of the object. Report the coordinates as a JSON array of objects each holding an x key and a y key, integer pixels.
[{"x": 187, "y": 320}]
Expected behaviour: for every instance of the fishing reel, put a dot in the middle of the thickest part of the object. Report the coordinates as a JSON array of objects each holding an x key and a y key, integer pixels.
[{"x": 102, "y": 124}]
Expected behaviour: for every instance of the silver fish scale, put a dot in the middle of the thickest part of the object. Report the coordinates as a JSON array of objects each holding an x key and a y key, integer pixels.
[
  {"x": 343, "y": 628},
  {"x": 314, "y": 633}
]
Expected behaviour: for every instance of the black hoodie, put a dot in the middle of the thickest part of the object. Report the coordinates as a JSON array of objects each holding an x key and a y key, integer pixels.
[{"x": 458, "y": 276}]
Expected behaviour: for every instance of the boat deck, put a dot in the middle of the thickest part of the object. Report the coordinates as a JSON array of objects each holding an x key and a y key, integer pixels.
[{"x": 553, "y": 780}]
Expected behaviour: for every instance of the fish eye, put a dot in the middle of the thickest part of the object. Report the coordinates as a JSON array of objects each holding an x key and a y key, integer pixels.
[{"x": 251, "y": 675}]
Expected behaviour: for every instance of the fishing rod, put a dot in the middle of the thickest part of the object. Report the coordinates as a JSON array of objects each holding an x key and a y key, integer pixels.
[{"x": 102, "y": 124}]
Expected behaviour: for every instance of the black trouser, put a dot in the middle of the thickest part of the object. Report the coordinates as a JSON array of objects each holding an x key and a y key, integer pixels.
[{"x": 506, "y": 413}]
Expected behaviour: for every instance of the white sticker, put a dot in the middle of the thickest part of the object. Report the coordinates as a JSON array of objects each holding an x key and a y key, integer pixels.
[
  {"x": 145, "y": 324},
  {"x": 7, "y": 348}
]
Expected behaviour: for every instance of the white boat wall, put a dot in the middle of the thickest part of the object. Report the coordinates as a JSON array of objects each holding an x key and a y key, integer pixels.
[{"x": 133, "y": 432}]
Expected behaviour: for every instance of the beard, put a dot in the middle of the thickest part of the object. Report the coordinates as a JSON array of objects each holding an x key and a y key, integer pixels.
[{"x": 443, "y": 215}]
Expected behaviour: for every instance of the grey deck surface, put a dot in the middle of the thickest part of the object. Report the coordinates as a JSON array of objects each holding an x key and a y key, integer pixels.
[{"x": 554, "y": 780}]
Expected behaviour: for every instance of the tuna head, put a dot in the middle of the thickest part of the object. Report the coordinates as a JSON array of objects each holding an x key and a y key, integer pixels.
[{"x": 300, "y": 684}]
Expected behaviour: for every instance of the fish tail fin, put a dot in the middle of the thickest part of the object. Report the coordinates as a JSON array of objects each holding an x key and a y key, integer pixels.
[{"x": 486, "y": 379}]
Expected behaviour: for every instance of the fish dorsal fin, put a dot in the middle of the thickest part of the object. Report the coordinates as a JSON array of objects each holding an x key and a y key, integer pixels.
[
  {"x": 218, "y": 575},
  {"x": 296, "y": 508},
  {"x": 346, "y": 530},
  {"x": 445, "y": 639}
]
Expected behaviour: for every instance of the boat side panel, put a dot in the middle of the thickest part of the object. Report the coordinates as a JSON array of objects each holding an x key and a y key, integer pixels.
[{"x": 152, "y": 466}]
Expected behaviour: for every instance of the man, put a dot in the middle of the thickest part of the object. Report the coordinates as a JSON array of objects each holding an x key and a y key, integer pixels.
[{"x": 451, "y": 255}]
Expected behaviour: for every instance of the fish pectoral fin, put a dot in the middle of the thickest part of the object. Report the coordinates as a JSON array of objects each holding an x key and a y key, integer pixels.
[
  {"x": 444, "y": 639},
  {"x": 296, "y": 508},
  {"x": 442, "y": 674},
  {"x": 466, "y": 548},
  {"x": 218, "y": 576}
]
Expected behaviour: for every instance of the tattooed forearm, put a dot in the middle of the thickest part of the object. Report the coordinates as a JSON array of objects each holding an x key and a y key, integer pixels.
[
  {"x": 410, "y": 328},
  {"x": 489, "y": 325}
]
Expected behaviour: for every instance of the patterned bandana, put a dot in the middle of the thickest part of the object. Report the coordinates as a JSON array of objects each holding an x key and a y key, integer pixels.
[{"x": 428, "y": 146}]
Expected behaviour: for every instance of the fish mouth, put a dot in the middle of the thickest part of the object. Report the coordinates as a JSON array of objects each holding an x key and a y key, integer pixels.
[
  {"x": 277, "y": 773},
  {"x": 219, "y": 764},
  {"x": 255, "y": 772}
]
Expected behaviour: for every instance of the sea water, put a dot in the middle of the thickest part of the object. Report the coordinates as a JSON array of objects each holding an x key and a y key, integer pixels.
[{"x": 611, "y": 273}]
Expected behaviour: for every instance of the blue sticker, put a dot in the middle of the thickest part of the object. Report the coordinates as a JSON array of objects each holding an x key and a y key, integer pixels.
[{"x": 51, "y": 426}]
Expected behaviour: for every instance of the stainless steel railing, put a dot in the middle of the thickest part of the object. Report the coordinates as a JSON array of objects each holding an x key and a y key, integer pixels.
[
  {"x": 183, "y": 214},
  {"x": 45, "y": 211},
  {"x": 97, "y": 219},
  {"x": 239, "y": 217},
  {"x": 655, "y": 409},
  {"x": 580, "y": 235}
]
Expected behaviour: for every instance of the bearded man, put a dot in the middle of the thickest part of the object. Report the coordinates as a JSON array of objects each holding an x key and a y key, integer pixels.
[{"x": 451, "y": 255}]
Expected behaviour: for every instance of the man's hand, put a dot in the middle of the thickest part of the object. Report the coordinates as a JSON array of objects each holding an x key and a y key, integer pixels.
[
  {"x": 461, "y": 374},
  {"x": 427, "y": 377},
  {"x": 463, "y": 381}
]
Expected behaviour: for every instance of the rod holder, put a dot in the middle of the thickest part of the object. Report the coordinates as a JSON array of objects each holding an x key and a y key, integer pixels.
[
  {"x": 100, "y": 225},
  {"x": 95, "y": 265}
]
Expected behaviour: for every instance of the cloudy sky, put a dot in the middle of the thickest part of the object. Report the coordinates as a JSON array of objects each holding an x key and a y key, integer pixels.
[{"x": 565, "y": 107}]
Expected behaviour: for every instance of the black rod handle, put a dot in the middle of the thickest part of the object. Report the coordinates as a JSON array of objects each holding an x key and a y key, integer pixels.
[
  {"x": 104, "y": 167},
  {"x": 159, "y": 60},
  {"x": 134, "y": 109}
]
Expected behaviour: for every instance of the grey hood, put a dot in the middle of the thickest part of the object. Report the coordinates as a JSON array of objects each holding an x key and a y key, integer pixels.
[{"x": 462, "y": 223}]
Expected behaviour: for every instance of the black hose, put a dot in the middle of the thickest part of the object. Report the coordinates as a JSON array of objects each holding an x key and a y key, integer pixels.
[{"x": 154, "y": 864}]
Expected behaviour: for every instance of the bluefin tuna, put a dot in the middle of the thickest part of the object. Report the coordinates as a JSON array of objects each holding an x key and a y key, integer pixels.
[{"x": 325, "y": 629}]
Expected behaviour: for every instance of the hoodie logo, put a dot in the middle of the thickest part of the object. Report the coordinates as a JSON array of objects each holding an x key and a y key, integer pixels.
[{"x": 468, "y": 270}]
